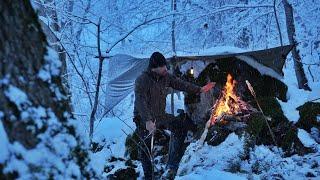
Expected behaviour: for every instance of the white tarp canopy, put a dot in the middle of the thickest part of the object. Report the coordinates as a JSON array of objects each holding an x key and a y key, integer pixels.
[{"x": 124, "y": 69}]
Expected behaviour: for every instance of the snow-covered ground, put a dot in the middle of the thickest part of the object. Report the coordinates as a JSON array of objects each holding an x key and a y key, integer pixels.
[
  {"x": 296, "y": 97},
  {"x": 208, "y": 162},
  {"x": 112, "y": 132},
  {"x": 215, "y": 162},
  {"x": 219, "y": 162},
  {"x": 224, "y": 160}
]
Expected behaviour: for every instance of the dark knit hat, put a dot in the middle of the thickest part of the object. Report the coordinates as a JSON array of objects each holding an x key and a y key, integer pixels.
[{"x": 157, "y": 60}]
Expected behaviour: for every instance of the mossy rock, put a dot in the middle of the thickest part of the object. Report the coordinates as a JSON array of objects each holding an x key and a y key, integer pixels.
[
  {"x": 285, "y": 132},
  {"x": 256, "y": 125},
  {"x": 271, "y": 108},
  {"x": 308, "y": 116},
  {"x": 124, "y": 174},
  {"x": 161, "y": 140},
  {"x": 131, "y": 146}
]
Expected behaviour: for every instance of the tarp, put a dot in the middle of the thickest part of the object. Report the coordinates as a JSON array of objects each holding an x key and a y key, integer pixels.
[
  {"x": 124, "y": 69},
  {"x": 122, "y": 73},
  {"x": 273, "y": 58}
]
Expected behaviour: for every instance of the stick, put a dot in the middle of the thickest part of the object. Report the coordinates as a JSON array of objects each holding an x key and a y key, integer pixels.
[
  {"x": 152, "y": 140},
  {"x": 205, "y": 132}
]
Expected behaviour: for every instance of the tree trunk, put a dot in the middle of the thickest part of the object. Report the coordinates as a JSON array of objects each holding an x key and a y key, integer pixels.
[
  {"x": 50, "y": 31},
  {"x": 34, "y": 110},
  {"x": 96, "y": 97},
  {"x": 298, "y": 67}
]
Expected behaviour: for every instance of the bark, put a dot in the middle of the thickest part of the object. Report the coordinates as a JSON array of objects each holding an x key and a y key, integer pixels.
[
  {"x": 96, "y": 98},
  {"x": 23, "y": 53},
  {"x": 48, "y": 10},
  {"x": 298, "y": 67}
]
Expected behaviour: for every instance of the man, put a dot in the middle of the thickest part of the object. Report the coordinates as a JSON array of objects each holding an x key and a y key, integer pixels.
[{"x": 149, "y": 112}]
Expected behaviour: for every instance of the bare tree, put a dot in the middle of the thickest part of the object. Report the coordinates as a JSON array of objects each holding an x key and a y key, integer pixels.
[{"x": 96, "y": 97}]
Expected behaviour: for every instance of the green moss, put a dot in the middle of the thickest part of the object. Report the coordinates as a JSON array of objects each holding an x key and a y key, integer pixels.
[
  {"x": 308, "y": 116},
  {"x": 285, "y": 132},
  {"x": 131, "y": 146},
  {"x": 271, "y": 108},
  {"x": 288, "y": 139},
  {"x": 255, "y": 125}
]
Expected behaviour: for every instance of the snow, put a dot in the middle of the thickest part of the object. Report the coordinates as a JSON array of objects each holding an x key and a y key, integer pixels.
[
  {"x": 4, "y": 153},
  {"x": 44, "y": 75},
  {"x": 315, "y": 93},
  {"x": 178, "y": 103},
  {"x": 211, "y": 174},
  {"x": 108, "y": 132},
  {"x": 52, "y": 155},
  {"x": 214, "y": 162},
  {"x": 296, "y": 97},
  {"x": 191, "y": 40},
  {"x": 53, "y": 62},
  {"x": 264, "y": 70},
  {"x": 198, "y": 159},
  {"x": 16, "y": 96},
  {"x": 217, "y": 50},
  {"x": 52, "y": 66},
  {"x": 305, "y": 138},
  {"x": 271, "y": 164}
]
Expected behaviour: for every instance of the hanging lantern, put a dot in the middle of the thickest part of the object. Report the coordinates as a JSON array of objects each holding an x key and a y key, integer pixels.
[{"x": 192, "y": 71}]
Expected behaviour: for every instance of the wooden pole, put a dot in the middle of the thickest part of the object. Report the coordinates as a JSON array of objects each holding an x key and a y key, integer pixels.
[{"x": 174, "y": 8}]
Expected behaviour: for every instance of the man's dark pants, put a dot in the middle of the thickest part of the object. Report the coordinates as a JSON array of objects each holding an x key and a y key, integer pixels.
[{"x": 178, "y": 126}]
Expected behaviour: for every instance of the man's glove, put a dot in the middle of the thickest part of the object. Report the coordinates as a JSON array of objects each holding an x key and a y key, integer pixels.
[{"x": 208, "y": 87}]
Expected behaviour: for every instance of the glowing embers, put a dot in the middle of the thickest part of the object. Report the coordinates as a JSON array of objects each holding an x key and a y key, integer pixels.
[{"x": 228, "y": 104}]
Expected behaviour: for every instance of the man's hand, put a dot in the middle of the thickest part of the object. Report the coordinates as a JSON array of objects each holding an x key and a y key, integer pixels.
[
  {"x": 150, "y": 126},
  {"x": 207, "y": 87}
]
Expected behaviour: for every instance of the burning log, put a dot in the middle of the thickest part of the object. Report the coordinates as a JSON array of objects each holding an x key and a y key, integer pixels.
[
  {"x": 205, "y": 132},
  {"x": 228, "y": 108}
]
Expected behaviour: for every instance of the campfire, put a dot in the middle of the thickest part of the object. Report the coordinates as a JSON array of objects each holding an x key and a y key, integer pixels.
[
  {"x": 228, "y": 109},
  {"x": 229, "y": 104}
]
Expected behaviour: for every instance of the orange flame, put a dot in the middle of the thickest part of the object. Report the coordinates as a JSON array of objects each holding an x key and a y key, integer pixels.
[{"x": 228, "y": 103}]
